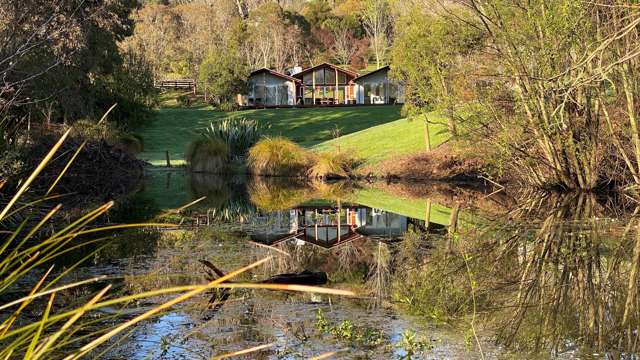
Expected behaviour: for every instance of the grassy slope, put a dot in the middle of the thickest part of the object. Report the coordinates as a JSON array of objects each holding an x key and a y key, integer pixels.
[
  {"x": 381, "y": 142},
  {"x": 174, "y": 127}
]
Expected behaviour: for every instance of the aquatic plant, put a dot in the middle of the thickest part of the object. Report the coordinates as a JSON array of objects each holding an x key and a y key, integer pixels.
[
  {"x": 278, "y": 156},
  {"x": 337, "y": 164},
  {"x": 348, "y": 331},
  {"x": 240, "y": 134},
  {"x": 208, "y": 154}
]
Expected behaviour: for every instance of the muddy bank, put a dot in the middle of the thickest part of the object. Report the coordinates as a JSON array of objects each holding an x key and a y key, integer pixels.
[
  {"x": 441, "y": 164},
  {"x": 101, "y": 171}
]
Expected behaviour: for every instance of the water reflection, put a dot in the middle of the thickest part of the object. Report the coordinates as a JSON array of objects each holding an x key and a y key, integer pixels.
[
  {"x": 543, "y": 276},
  {"x": 555, "y": 278}
]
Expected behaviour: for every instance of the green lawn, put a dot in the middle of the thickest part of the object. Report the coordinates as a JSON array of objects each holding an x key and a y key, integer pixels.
[
  {"x": 174, "y": 127},
  {"x": 381, "y": 142}
]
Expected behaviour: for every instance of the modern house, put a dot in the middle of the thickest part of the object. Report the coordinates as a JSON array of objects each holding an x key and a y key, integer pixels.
[
  {"x": 376, "y": 88},
  {"x": 321, "y": 85},
  {"x": 269, "y": 88},
  {"x": 326, "y": 84}
]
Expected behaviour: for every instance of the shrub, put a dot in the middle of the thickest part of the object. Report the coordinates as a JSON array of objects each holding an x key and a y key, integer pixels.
[
  {"x": 239, "y": 134},
  {"x": 333, "y": 165},
  {"x": 208, "y": 154},
  {"x": 228, "y": 106},
  {"x": 184, "y": 100},
  {"x": 278, "y": 156}
]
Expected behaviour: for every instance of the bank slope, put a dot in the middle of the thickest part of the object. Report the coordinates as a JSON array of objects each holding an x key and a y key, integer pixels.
[{"x": 396, "y": 138}]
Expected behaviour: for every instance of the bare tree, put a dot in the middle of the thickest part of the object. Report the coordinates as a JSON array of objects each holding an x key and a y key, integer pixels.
[{"x": 376, "y": 18}]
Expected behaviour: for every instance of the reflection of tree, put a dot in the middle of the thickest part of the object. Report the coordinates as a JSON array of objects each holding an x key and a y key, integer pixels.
[
  {"x": 379, "y": 274},
  {"x": 570, "y": 280}
]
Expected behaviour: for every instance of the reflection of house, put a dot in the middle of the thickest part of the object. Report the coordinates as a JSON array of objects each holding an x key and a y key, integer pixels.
[
  {"x": 321, "y": 85},
  {"x": 376, "y": 88},
  {"x": 330, "y": 226},
  {"x": 270, "y": 88}
]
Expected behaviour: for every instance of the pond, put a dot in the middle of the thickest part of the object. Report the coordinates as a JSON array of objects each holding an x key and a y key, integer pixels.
[{"x": 439, "y": 271}]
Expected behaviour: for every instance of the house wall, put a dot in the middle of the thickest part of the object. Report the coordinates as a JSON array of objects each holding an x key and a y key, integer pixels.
[
  {"x": 392, "y": 93},
  {"x": 267, "y": 89}
]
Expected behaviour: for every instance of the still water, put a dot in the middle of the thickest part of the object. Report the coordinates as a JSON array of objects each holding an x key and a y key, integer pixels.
[{"x": 439, "y": 271}]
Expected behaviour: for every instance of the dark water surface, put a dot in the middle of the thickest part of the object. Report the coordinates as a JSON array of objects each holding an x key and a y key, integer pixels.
[{"x": 440, "y": 271}]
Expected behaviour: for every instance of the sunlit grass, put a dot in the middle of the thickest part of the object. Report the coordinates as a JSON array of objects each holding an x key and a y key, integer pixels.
[
  {"x": 378, "y": 143},
  {"x": 173, "y": 128}
]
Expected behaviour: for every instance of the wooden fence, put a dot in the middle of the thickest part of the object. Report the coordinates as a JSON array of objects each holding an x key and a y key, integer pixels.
[{"x": 189, "y": 84}]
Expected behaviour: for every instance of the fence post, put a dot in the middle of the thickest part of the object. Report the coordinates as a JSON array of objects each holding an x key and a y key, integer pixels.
[{"x": 168, "y": 159}]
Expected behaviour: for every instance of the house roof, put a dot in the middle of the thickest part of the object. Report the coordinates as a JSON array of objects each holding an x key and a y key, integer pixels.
[
  {"x": 274, "y": 73},
  {"x": 349, "y": 72},
  {"x": 384, "y": 68}
]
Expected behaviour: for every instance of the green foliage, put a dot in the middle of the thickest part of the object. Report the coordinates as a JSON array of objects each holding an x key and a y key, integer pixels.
[
  {"x": 278, "y": 156},
  {"x": 411, "y": 344},
  {"x": 131, "y": 87},
  {"x": 349, "y": 332},
  {"x": 425, "y": 57},
  {"x": 223, "y": 75},
  {"x": 239, "y": 134},
  {"x": 208, "y": 154},
  {"x": 338, "y": 164}
]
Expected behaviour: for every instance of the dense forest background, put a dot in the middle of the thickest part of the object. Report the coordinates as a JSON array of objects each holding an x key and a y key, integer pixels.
[{"x": 544, "y": 91}]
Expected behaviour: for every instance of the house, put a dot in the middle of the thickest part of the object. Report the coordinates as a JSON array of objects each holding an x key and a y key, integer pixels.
[
  {"x": 321, "y": 225},
  {"x": 321, "y": 85},
  {"x": 269, "y": 88},
  {"x": 326, "y": 84},
  {"x": 376, "y": 88}
]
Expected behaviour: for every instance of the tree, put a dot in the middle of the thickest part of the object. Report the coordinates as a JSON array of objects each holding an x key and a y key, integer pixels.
[
  {"x": 272, "y": 41},
  {"x": 429, "y": 55},
  {"x": 52, "y": 54},
  {"x": 223, "y": 73},
  {"x": 376, "y": 19}
]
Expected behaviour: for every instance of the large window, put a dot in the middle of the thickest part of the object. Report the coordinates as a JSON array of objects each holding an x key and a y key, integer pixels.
[
  {"x": 329, "y": 76},
  {"x": 283, "y": 95},
  {"x": 308, "y": 78},
  {"x": 319, "y": 74}
]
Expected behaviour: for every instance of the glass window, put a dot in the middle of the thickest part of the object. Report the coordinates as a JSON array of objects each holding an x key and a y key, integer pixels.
[
  {"x": 367, "y": 93},
  {"x": 283, "y": 95},
  {"x": 329, "y": 76},
  {"x": 319, "y": 74},
  {"x": 342, "y": 78},
  {"x": 308, "y": 78},
  {"x": 308, "y": 96}
]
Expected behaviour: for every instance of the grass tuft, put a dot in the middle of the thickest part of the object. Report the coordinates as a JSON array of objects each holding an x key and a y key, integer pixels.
[
  {"x": 331, "y": 165},
  {"x": 278, "y": 156},
  {"x": 208, "y": 154}
]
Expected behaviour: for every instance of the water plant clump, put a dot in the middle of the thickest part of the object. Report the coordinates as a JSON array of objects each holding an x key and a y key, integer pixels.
[
  {"x": 239, "y": 133},
  {"x": 350, "y": 332},
  {"x": 278, "y": 156},
  {"x": 208, "y": 154}
]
